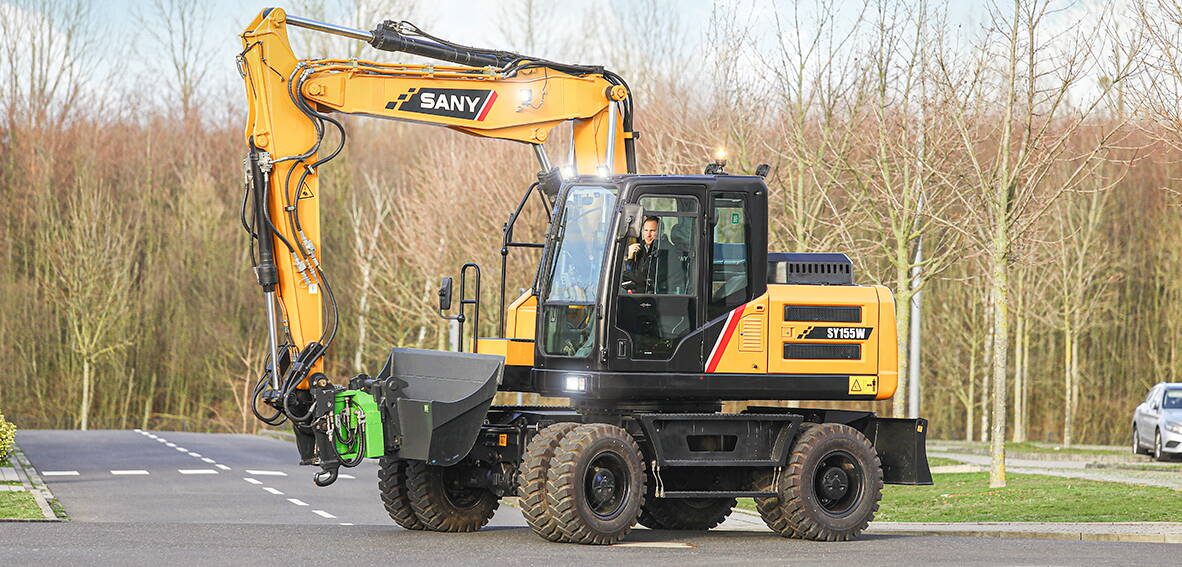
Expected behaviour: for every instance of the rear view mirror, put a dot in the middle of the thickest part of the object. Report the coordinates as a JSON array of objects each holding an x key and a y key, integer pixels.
[
  {"x": 631, "y": 221},
  {"x": 445, "y": 295}
]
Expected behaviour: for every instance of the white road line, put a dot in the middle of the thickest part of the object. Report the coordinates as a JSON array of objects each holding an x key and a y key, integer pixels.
[
  {"x": 160, "y": 440},
  {"x": 272, "y": 490},
  {"x": 170, "y": 444},
  {"x": 209, "y": 460},
  {"x": 323, "y": 514},
  {"x": 59, "y": 473},
  {"x": 192, "y": 454},
  {"x": 182, "y": 449},
  {"x": 223, "y": 467},
  {"x": 297, "y": 501},
  {"x": 197, "y": 471},
  {"x": 266, "y": 473},
  {"x": 252, "y": 480},
  {"x": 346, "y": 523},
  {"x": 138, "y": 430},
  {"x": 348, "y": 476},
  {"x": 129, "y": 472}
]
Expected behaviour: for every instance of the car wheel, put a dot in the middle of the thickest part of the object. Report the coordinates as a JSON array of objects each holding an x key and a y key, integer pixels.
[
  {"x": 1157, "y": 452},
  {"x": 1136, "y": 442}
]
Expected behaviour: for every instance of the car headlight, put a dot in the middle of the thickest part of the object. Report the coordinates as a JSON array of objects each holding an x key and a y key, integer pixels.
[{"x": 1175, "y": 427}]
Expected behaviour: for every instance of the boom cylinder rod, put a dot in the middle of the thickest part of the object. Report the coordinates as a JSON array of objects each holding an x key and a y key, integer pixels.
[
  {"x": 329, "y": 28},
  {"x": 273, "y": 337}
]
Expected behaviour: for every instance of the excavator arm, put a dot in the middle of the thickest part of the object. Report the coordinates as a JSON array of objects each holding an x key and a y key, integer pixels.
[{"x": 293, "y": 102}]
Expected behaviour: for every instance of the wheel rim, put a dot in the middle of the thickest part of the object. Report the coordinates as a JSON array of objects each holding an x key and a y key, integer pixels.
[
  {"x": 456, "y": 493},
  {"x": 606, "y": 484},
  {"x": 1157, "y": 444},
  {"x": 837, "y": 483},
  {"x": 1136, "y": 442}
]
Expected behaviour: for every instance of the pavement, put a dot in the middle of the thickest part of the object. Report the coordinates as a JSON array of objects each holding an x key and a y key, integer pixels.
[
  {"x": 151, "y": 498},
  {"x": 1070, "y": 469}
]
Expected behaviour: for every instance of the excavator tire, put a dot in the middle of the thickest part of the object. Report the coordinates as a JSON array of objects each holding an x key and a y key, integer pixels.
[
  {"x": 441, "y": 504},
  {"x": 531, "y": 480},
  {"x": 685, "y": 513},
  {"x": 830, "y": 488},
  {"x": 595, "y": 484},
  {"x": 392, "y": 486}
]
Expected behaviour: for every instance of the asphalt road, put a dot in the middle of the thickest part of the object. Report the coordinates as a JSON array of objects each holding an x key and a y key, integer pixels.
[{"x": 159, "y": 498}]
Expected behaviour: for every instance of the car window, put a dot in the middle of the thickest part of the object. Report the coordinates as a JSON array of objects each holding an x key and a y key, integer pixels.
[
  {"x": 1172, "y": 399},
  {"x": 1152, "y": 394}
]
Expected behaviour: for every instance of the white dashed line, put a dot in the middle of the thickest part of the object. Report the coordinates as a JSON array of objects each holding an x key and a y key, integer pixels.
[
  {"x": 209, "y": 460},
  {"x": 138, "y": 430},
  {"x": 129, "y": 473},
  {"x": 272, "y": 490},
  {"x": 266, "y": 473},
  {"x": 348, "y": 476},
  {"x": 182, "y": 449},
  {"x": 223, "y": 467},
  {"x": 160, "y": 440},
  {"x": 253, "y": 481},
  {"x": 297, "y": 501},
  {"x": 59, "y": 473},
  {"x": 346, "y": 523},
  {"x": 197, "y": 471},
  {"x": 192, "y": 454},
  {"x": 171, "y": 444},
  {"x": 323, "y": 514}
]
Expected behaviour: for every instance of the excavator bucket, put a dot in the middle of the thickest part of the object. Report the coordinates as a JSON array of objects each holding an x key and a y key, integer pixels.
[{"x": 438, "y": 401}]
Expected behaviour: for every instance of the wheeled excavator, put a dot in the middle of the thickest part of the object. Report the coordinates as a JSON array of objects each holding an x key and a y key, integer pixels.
[{"x": 655, "y": 300}]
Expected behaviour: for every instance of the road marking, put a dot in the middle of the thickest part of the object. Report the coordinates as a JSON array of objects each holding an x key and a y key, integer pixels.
[
  {"x": 266, "y": 473},
  {"x": 170, "y": 444},
  {"x": 59, "y": 473},
  {"x": 128, "y": 473},
  {"x": 346, "y": 523},
  {"x": 323, "y": 514},
  {"x": 660, "y": 544},
  {"x": 192, "y": 454},
  {"x": 138, "y": 430},
  {"x": 252, "y": 480},
  {"x": 197, "y": 471},
  {"x": 182, "y": 449},
  {"x": 348, "y": 476},
  {"x": 272, "y": 490},
  {"x": 160, "y": 440},
  {"x": 208, "y": 460},
  {"x": 297, "y": 501},
  {"x": 223, "y": 467}
]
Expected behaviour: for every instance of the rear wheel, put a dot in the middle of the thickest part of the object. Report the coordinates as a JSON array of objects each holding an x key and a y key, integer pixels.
[
  {"x": 392, "y": 486},
  {"x": 531, "y": 480},
  {"x": 830, "y": 489},
  {"x": 442, "y": 502},
  {"x": 1158, "y": 454},
  {"x": 1137, "y": 449},
  {"x": 685, "y": 513},
  {"x": 595, "y": 484}
]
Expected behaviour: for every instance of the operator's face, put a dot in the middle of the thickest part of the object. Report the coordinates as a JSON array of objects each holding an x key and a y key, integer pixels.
[{"x": 649, "y": 232}]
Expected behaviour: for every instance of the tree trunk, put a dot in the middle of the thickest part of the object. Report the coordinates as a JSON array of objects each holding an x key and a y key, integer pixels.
[
  {"x": 1019, "y": 379},
  {"x": 903, "y": 294},
  {"x": 987, "y": 363},
  {"x": 972, "y": 403},
  {"x": 84, "y": 411},
  {"x": 362, "y": 316},
  {"x": 1068, "y": 384},
  {"x": 999, "y": 295}
]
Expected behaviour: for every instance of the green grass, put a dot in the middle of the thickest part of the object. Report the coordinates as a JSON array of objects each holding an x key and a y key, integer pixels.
[
  {"x": 1028, "y": 447},
  {"x": 18, "y": 505},
  {"x": 942, "y": 462},
  {"x": 10, "y": 483},
  {"x": 966, "y": 497}
]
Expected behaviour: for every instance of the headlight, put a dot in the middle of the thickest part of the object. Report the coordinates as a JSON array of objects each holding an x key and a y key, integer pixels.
[
  {"x": 575, "y": 383},
  {"x": 1175, "y": 427}
]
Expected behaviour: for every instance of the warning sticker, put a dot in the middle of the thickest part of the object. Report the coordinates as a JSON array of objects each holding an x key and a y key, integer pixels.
[
  {"x": 306, "y": 193},
  {"x": 863, "y": 386}
]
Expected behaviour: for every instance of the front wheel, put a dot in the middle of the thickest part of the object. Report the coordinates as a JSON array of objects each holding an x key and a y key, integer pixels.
[
  {"x": 595, "y": 484},
  {"x": 830, "y": 489},
  {"x": 1158, "y": 454},
  {"x": 441, "y": 501}
]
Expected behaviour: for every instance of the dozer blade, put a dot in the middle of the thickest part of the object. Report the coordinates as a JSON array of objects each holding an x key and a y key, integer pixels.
[{"x": 440, "y": 400}]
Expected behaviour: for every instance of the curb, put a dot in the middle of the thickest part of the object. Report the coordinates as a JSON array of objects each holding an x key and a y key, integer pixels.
[
  {"x": 33, "y": 485},
  {"x": 1020, "y": 534}
]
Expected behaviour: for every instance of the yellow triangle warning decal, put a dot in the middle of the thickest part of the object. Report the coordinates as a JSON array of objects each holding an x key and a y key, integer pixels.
[
  {"x": 863, "y": 386},
  {"x": 306, "y": 192},
  {"x": 855, "y": 387}
]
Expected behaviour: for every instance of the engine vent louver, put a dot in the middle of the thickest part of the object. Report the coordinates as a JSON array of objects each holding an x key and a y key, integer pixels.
[
  {"x": 810, "y": 351},
  {"x": 809, "y": 269},
  {"x": 822, "y": 313}
]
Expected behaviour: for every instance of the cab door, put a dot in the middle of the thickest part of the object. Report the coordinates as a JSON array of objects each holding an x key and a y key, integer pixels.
[{"x": 658, "y": 287}]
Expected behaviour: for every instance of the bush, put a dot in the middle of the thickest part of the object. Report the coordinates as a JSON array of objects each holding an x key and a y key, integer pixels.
[{"x": 7, "y": 437}]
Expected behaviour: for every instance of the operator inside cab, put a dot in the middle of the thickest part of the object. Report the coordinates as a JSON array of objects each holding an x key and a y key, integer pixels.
[{"x": 659, "y": 263}]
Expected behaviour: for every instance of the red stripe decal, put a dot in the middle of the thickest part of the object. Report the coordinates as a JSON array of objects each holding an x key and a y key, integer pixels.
[
  {"x": 487, "y": 106},
  {"x": 732, "y": 321}
]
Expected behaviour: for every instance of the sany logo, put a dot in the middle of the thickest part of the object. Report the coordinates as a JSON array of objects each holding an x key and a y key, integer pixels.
[{"x": 466, "y": 104}]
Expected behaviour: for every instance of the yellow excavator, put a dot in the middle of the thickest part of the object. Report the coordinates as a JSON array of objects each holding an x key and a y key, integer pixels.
[{"x": 655, "y": 300}]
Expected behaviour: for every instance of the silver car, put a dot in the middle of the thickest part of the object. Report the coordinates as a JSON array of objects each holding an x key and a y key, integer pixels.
[{"x": 1157, "y": 422}]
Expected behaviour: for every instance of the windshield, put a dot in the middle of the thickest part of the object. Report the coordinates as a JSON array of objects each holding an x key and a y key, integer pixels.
[
  {"x": 580, "y": 240},
  {"x": 1172, "y": 400}
]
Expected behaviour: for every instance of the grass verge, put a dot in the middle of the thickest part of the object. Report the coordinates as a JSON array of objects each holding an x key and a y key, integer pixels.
[
  {"x": 18, "y": 506},
  {"x": 966, "y": 497},
  {"x": 942, "y": 462}
]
